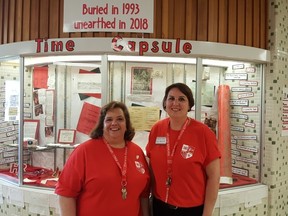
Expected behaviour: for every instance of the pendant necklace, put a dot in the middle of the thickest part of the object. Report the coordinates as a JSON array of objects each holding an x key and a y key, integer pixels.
[{"x": 123, "y": 169}]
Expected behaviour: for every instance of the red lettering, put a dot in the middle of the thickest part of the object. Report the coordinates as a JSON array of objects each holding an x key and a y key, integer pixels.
[
  {"x": 25, "y": 167},
  {"x": 56, "y": 46},
  {"x": 167, "y": 47},
  {"x": 115, "y": 45},
  {"x": 187, "y": 47},
  {"x": 177, "y": 46},
  {"x": 84, "y": 9},
  {"x": 70, "y": 44},
  {"x": 53, "y": 46},
  {"x": 155, "y": 47},
  {"x": 94, "y": 10},
  {"x": 13, "y": 168},
  {"x": 38, "y": 44},
  {"x": 143, "y": 47},
  {"x": 131, "y": 46},
  {"x": 45, "y": 45}
]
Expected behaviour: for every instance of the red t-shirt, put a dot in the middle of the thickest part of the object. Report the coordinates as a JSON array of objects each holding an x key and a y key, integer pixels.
[
  {"x": 93, "y": 177},
  {"x": 195, "y": 150}
]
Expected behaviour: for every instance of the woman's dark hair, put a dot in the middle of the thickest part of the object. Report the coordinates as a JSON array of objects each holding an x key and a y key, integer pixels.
[
  {"x": 184, "y": 89},
  {"x": 98, "y": 130}
]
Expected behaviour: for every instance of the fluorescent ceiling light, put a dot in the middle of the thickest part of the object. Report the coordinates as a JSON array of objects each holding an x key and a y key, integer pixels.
[
  {"x": 156, "y": 59},
  {"x": 51, "y": 59},
  {"x": 219, "y": 63},
  {"x": 86, "y": 60},
  {"x": 77, "y": 64}
]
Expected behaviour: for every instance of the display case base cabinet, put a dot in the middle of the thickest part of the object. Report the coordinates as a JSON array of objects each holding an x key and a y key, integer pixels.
[{"x": 14, "y": 200}]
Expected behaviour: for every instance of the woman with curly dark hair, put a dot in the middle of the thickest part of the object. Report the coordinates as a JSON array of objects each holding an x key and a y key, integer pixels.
[{"x": 108, "y": 174}]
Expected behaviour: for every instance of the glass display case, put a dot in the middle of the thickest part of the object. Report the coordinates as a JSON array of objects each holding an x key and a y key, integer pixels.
[{"x": 50, "y": 104}]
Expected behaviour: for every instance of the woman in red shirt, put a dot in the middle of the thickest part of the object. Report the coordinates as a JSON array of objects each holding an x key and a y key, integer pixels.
[
  {"x": 107, "y": 175},
  {"x": 184, "y": 159}
]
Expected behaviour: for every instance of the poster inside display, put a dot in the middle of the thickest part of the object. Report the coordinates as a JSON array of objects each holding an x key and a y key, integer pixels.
[
  {"x": 31, "y": 128},
  {"x": 143, "y": 118},
  {"x": 12, "y": 99},
  {"x": 141, "y": 81}
]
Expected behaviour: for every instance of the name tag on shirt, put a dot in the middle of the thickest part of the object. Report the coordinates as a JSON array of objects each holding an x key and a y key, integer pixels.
[{"x": 161, "y": 140}]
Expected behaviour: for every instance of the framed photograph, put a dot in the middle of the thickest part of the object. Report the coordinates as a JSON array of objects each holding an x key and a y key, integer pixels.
[
  {"x": 66, "y": 136},
  {"x": 141, "y": 80}
]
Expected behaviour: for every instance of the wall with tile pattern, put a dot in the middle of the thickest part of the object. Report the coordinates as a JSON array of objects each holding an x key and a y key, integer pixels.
[{"x": 275, "y": 150}]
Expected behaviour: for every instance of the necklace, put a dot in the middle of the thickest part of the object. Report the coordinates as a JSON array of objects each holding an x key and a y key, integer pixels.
[{"x": 123, "y": 169}]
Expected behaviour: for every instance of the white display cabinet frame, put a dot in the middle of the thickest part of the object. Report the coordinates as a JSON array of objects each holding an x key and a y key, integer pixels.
[{"x": 99, "y": 49}]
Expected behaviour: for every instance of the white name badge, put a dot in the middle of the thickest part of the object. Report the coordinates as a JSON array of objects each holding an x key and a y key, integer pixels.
[{"x": 161, "y": 140}]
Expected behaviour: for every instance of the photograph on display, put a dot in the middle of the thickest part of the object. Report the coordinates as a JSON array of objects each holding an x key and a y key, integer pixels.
[
  {"x": 66, "y": 136},
  {"x": 49, "y": 131},
  {"x": 141, "y": 80}
]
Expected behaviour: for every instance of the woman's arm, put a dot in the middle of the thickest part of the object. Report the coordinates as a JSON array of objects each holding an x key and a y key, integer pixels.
[
  {"x": 212, "y": 187},
  {"x": 67, "y": 206},
  {"x": 145, "y": 206}
]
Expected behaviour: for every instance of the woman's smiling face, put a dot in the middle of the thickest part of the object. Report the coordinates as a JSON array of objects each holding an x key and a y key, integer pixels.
[
  {"x": 177, "y": 104},
  {"x": 114, "y": 124}
]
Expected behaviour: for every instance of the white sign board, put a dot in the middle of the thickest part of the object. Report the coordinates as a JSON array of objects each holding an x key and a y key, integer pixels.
[{"x": 108, "y": 16}]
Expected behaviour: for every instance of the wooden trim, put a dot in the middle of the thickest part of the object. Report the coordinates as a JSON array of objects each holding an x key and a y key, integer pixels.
[
  {"x": 11, "y": 21},
  {"x": 202, "y": 25},
  {"x": 165, "y": 15},
  {"x": 5, "y": 21},
  {"x": 263, "y": 24},
  {"x": 44, "y": 19},
  {"x": 34, "y": 31},
  {"x": 1, "y": 21},
  {"x": 213, "y": 21},
  {"x": 232, "y": 22},
  {"x": 223, "y": 21},
  {"x": 249, "y": 23},
  {"x": 191, "y": 20},
  {"x": 18, "y": 20},
  {"x": 171, "y": 18},
  {"x": 256, "y": 23},
  {"x": 26, "y": 20},
  {"x": 180, "y": 19},
  {"x": 157, "y": 19},
  {"x": 241, "y": 22},
  {"x": 54, "y": 18},
  {"x": 61, "y": 18}
]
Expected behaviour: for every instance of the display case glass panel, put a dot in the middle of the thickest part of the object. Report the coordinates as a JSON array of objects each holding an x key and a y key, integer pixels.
[
  {"x": 9, "y": 119},
  {"x": 236, "y": 108},
  {"x": 61, "y": 94}
]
